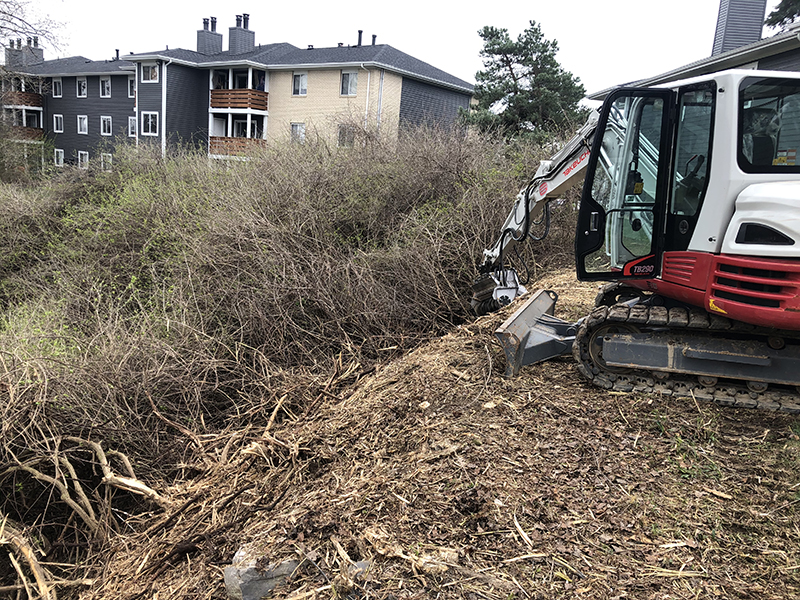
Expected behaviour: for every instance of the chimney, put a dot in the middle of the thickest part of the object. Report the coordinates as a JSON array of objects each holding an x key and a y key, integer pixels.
[
  {"x": 19, "y": 56},
  {"x": 374, "y": 37},
  {"x": 240, "y": 39},
  {"x": 245, "y": 21},
  {"x": 739, "y": 23},
  {"x": 360, "y": 32},
  {"x": 209, "y": 42},
  {"x": 117, "y": 51}
]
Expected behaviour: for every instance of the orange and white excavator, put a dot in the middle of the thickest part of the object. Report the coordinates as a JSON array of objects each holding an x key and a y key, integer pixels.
[{"x": 691, "y": 208}]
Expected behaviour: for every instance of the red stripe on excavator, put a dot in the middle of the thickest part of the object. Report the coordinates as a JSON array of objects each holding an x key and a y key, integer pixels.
[{"x": 755, "y": 290}]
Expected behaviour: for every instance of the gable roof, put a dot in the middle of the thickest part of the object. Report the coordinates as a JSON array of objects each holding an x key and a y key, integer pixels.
[
  {"x": 286, "y": 56},
  {"x": 381, "y": 55},
  {"x": 79, "y": 65},
  {"x": 260, "y": 55}
]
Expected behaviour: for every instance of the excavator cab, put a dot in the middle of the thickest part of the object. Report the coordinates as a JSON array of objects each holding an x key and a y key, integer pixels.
[{"x": 625, "y": 188}]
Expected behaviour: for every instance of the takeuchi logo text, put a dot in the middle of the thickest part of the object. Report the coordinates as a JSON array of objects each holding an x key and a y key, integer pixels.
[{"x": 576, "y": 163}]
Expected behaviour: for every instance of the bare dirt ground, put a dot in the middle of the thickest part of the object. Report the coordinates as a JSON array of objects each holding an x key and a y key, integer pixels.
[{"x": 457, "y": 483}]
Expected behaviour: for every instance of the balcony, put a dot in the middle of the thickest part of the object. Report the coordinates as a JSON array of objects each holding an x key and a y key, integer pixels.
[
  {"x": 239, "y": 99},
  {"x": 27, "y": 133},
  {"x": 22, "y": 99},
  {"x": 231, "y": 146}
]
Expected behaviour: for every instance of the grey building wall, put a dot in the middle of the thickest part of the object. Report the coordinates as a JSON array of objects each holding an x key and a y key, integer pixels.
[
  {"x": 119, "y": 107},
  {"x": 425, "y": 104},
  {"x": 188, "y": 96},
  {"x": 785, "y": 61},
  {"x": 739, "y": 23}
]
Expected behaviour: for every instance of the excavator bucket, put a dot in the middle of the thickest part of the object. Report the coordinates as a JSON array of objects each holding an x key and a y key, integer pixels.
[{"x": 533, "y": 334}]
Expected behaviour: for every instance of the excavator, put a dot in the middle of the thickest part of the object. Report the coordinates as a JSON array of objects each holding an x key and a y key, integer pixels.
[{"x": 690, "y": 211}]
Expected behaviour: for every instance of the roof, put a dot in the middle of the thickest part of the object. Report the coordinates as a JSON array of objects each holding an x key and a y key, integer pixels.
[
  {"x": 79, "y": 65},
  {"x": 784, "y": 41},
  {"x": 260, "y": 54},
  {"x": 287, "y": 56},
  {"x": 380, "y": 55}
]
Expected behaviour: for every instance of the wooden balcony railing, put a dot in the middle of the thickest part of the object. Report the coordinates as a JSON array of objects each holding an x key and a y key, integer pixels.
[
  {"x": 255, "y": 99},
  {"x": 229, "y": 146},
  {"x": 27, "y": 133},
  {"x": 22, "y": 99}
]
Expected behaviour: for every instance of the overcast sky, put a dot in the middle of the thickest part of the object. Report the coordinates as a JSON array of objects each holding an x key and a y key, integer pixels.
[{"x": 603, "y": 42}]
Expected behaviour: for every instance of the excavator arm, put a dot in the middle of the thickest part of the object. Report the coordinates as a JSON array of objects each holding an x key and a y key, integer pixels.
[{"x": 498, "y": 284}]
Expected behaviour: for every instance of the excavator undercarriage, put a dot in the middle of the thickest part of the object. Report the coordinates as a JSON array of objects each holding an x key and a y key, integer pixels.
[{"x": 640, "y": 345}]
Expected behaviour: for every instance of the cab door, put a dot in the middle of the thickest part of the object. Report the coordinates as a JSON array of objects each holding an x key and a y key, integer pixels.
[{"x": 623, "y": 206}]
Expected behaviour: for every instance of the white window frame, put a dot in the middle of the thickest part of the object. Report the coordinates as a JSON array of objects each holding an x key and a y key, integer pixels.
[
  {"x": 298, "y": 133},
  {"x": 152, "y": 70},
  {"x": 58, "y": 157},
  {"x": 106, "y": 130},
  {"x": 131, "y": 126},
  {"x": 85, "y": 129},
  {"x": 302, "y": 88},
  {"x": 58, "y": 123},
  {"x": 57, "y": 83},
  {"x": 131, "y": 86},
  {"x": 78, "y": 82},
  {"x": 102, "y": 81},
  {"x": 149, "y": 129},
  {"x": 106, "y": 161},
  {"x": 83, "y": 159},
  {"x": 352, "y": 83}
]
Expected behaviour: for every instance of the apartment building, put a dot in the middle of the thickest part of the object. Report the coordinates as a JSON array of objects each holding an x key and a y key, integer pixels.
[{"x": 223, "y": 100}]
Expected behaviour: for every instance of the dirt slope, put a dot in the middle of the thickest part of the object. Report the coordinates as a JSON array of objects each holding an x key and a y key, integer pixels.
[{"x": 457, "y": 483}]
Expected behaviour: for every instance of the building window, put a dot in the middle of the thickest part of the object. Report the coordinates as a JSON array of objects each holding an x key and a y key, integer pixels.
[
  {"x": 83, "y": 159},
  {"x": 58, "y": 123},
  {"x": 105, "y": 162},
  {"x": 298, "y": 133},
  {"x": 83, "y": 124},
  {"x": 149, "y": 73},
  {"x": 57, "y": 89},
  {"x": 149, "y": 123},
  {"x": 299, "y": 84},
  {"x": 81, "y": 86},
  {"x": 105, "y": 125},
  {"x": 349, "y": 83},
  {"x": 131, "y": 87},
  {"x": 58, "y": 157},
  {"x": 131, "y": 126},
  {"x": 105, "y": 87},
  {"x": 347, "y": 136}
]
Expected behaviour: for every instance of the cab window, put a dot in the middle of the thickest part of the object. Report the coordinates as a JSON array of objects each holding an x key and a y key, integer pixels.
[{"x": 769, "y": 125}]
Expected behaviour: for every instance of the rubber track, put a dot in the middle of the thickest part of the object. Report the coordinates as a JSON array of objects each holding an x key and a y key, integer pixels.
[{"x": 679, "y": 319}]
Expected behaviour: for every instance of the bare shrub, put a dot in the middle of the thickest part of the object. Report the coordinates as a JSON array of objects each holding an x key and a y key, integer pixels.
[{"x": 150, "y": 308}]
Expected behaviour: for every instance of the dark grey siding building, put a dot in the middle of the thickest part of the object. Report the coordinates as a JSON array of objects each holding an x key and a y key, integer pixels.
[
  {"x": 425, "y": 104},
  {"x": 220, "y": 100},
  {"x": 187, "y": 111}
]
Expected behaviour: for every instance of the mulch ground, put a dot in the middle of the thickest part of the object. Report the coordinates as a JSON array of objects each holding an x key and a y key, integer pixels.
[{"x": 457, "y": 483}]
